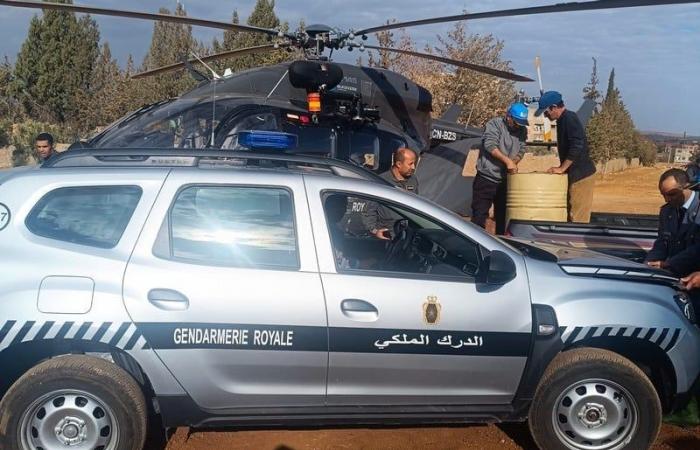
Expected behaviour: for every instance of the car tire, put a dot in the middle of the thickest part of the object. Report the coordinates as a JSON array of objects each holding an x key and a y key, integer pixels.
[
  {"x": 593, "y": 398},
  {"x": 74, "y": 400}
]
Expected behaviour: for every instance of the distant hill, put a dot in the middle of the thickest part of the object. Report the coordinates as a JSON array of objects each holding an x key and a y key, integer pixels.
[{"x": 661, "y": 136}]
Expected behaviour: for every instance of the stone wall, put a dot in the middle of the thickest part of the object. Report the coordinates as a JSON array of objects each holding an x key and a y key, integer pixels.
[{"x": 5, "y": 157}]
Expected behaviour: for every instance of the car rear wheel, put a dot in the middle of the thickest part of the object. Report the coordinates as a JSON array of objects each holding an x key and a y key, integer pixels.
[
  {"x": 593, "y": 399},
  {"x": 75, "y": 401}
]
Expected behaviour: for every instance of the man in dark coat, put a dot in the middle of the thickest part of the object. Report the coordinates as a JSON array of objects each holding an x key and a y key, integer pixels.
[
  {"x": 574, "y": 157},
  {"x": 676, "y": 248}
]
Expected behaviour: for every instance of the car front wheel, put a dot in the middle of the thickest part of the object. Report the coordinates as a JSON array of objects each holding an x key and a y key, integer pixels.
[{"x": 593, "y": 399}]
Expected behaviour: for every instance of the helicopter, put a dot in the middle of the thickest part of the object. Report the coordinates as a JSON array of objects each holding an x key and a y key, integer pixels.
[{"x": 353, "y": 113}]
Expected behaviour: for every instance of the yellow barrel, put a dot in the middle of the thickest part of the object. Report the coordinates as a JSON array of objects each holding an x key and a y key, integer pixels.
[{"x": 537, "y": 196}]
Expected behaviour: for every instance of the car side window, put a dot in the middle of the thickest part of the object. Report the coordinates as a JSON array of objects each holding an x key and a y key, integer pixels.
[
  {"x": 396, "y": 240},
  {"x": 95, "y": 216},
  {"x": 233, "y": 226}
]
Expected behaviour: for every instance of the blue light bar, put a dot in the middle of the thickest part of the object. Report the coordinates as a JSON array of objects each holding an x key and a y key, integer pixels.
[{"x": 274, "y": 140}]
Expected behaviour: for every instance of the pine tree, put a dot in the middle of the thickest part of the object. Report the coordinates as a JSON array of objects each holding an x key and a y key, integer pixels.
[
  {"x": 26, "y": 73},
  {"x": 130, "y": 90},
  {"x": 55, "y": 64},
  {"x": 228, "y": 43},
  {"x": 10, "y": 109},
  {"x": 170, "y": 43},
  {"x": 230, "y": 36},
  {"x": 591, "y": 92},
  {"x": 263, "y": 16},
  {"x": 104, "y": 101}
]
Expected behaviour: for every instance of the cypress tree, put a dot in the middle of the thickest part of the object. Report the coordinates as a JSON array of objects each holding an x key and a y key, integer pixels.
[
  {"x": 591, "y": 92},
  {"x": 611, "y": 132},
  {"x": 55, "y": 63}
]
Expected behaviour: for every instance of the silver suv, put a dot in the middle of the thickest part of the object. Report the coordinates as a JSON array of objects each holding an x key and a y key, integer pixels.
[{"x": 215, "y": 288}]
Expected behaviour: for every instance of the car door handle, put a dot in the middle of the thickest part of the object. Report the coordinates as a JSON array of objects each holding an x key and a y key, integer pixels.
[
  {"x": 168, "y": 299},
  {"x": 360, "y": 310}
]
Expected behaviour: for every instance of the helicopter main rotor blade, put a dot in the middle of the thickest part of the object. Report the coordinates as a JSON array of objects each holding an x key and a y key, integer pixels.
[
  {"x": 138, "y": 15},
  {"x": 559, "y": 7},
  {"x": 454, "y": 62},
  {"x": 214, "y": 57}
]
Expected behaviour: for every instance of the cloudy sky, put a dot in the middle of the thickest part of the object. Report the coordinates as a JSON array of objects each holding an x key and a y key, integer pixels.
[{"x": 655, "y": 50}]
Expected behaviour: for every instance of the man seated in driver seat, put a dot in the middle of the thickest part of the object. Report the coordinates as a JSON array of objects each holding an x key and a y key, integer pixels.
[{"x": 379, "y": 220}]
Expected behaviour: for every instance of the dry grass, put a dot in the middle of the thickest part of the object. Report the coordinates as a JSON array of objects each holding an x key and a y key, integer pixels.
[{"x": 631, "y": 191}]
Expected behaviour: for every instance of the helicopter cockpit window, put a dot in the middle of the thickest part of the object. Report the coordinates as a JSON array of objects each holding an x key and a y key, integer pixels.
[
  {"x": 389, "y": 142},
  {"x": 311, "y": 139},
  {"x": 364, "y": 149},
  {"x": 262, "y": 121},
  {"x": 183, "y": 123}
]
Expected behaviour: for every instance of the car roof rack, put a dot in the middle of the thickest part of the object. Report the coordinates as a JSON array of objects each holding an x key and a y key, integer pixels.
[{"x": 208, "y": 158}]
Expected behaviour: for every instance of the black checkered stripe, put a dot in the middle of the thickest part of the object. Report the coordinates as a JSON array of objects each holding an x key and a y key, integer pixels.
[
  {"x": 665, "y": 338},
  {"x": 123, "y": 335}
]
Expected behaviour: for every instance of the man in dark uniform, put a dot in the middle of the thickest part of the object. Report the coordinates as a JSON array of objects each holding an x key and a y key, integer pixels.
[
  {"x": 676, "y": 248},
  {"x": 574, "y": 158},
  {"x": 379, "y": 220}
]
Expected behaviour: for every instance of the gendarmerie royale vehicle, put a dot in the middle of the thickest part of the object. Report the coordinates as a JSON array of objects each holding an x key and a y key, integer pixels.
[{"x": 221, "y": 288}]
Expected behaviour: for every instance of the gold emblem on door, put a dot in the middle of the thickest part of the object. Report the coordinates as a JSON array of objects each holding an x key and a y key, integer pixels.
[{"x": 431, "y": 310}]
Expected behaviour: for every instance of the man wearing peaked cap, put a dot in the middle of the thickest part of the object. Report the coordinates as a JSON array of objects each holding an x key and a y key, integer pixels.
[{"x": 574, "y": 158}]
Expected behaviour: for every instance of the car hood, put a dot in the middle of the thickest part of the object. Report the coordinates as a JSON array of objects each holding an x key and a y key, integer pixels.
[{"x": 582, "y": 262}]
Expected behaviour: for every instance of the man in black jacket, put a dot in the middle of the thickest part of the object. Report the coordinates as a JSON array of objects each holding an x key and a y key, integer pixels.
[
  {"x": 677, "y": 247},
  {"x": 43, "y": 145},
  {"x": 574, "y": 158}
]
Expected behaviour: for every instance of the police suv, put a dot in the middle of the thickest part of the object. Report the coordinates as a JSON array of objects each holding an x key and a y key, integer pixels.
[{"x": 220, "y": 288}]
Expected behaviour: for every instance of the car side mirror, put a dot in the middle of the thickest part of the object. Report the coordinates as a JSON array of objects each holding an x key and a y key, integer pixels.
[{"x": 498, "y": 269}]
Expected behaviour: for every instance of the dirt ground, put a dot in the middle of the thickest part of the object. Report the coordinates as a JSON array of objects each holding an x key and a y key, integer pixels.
[
  {"x": 633, "y": 191},
  {"x": 476, "y": 437}
]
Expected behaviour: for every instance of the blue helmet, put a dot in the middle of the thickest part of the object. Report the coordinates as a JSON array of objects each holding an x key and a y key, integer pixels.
[{"x": 518, "y": 112}]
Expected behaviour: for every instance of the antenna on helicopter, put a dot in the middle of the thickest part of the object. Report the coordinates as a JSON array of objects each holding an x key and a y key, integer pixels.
[
  {"x": 213, "y": 72},
  {"x": 196, "y": 74},
  {"x": 216, "y": 77},
  {"x": 539, "y": 73}
]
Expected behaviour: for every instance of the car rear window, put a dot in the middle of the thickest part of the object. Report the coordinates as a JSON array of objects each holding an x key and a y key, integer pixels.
[
  {"x": 234, "y": 226},
  {"x": 95, "y": 216}
]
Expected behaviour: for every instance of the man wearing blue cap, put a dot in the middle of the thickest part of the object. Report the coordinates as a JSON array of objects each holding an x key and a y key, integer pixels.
[
  {"x": 502, "y": 147},
  {"x": 574, "y": 158}
]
